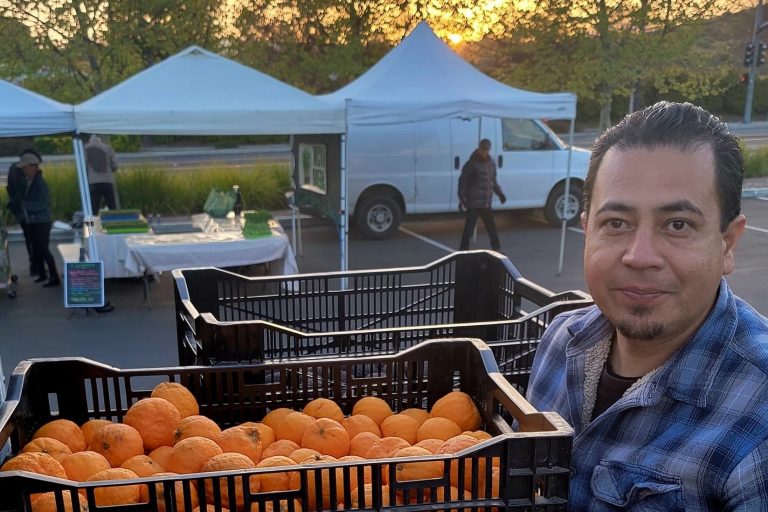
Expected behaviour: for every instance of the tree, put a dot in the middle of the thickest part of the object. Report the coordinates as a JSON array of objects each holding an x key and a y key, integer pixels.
[
  {"x": 90, "y": 45},
  {"x": 320, "y": 45},
  {"x": 601, "y": 48}
]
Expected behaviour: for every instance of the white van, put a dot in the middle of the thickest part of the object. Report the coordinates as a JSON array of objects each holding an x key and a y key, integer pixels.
[{"x": 401, "y": 169}]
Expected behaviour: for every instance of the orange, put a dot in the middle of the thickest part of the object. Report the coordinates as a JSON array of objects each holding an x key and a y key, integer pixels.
[
  {"x": 117, "y": 442},
  {"x": 400, "y": 425},
  {"x": 437, "y": 428},
  {"x": 178, "y": 494},
  {"x": 280, "y": 481},
  {"x": 190, "y": 454},
  {"x": 327, "y": 436},
  {"x": 196, "y": 426},
  {"x": 430, "y": 444},
  {"x": 480, "y": 435},
  {"x": 156, "y": 419},
  {"x": 65, "y": 431},
  {"x": 303, "y": 454},
  {"x": 455, "y": 445},
  {"x": 276, "y": 416},
  {"x": 353, "y": 472},
  {"x": 267, "y": 433},
  {"x": 373, "y": 407},
  {"x": 282, "y": 447},
  {"x": 360, "y": 423},
  {"x": 242, "y": 439},
  {"x": 282, "y": 505},
  {"x": 325, "y": 475},
  {"x": 386, "y": 447},
  {"x": 324, "y": 408},
  {"x": 440, "y": 498},
  {"x": 458, "y": 407},
  {"x": 368, "y": 491},
  {"x": 143, "y": 466},
  {"x": 228, "y": 462},
  {"x": 211, "y": 508},
  {"x": 35, "y": 462},
  {"x": 161, "y": 455},
  {"x": 116, "y": 495},
  {"x": 419, "y": 415},
  {"x": 49, "y": 445},
  {"x": 81, "y": 466},
  {"x": 361, "y": 443},
  {"x": 46, "y": 502},
  {"x": 89, "y": 427},
  {"x": 423, "y": 470},
  {"x": 179, "y": 396},
  {"x": 293, "y": 426}
]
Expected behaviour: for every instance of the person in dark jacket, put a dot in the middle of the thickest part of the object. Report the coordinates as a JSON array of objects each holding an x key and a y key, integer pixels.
[
  {"x": 16, "y": 186},
  {"x": 36, "y": 211},
  {"x": 477, "y": 184}
]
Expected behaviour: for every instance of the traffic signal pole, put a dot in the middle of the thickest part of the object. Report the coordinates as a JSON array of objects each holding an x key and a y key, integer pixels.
[{"x": 759, "y": 25}]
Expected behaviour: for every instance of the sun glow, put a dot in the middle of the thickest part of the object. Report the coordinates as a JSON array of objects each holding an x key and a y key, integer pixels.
[{"x": 455, "y": 38}]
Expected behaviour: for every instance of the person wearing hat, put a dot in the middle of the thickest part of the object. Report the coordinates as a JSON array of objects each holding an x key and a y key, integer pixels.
[
  {"x": 477, "y": 184},
  {"x": 36, "y": 211},
  {"x": 16, "y": 185}
]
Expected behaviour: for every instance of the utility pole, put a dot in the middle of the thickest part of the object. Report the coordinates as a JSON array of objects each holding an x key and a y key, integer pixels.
[{"x": 758, "y": 27}]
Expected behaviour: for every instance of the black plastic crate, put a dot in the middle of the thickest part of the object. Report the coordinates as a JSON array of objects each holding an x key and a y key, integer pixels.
[
  {"x": 534, "y": 462},
  {"x": 227, "y": 318}
]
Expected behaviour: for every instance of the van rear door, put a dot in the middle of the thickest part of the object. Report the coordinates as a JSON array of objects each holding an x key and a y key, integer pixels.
[{"x": 525, "y": 160}]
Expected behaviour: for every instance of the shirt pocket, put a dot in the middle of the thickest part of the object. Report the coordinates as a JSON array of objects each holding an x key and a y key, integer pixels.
[{"x": 618, "y": 486}]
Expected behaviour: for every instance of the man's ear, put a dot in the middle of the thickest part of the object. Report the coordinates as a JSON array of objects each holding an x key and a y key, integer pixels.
[
  {"x": 731, "y": 237},
  {"x": 584, "y": 220}
]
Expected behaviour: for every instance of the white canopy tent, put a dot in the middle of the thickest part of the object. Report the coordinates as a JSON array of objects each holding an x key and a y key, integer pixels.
[
  {"x": 197, "y": 92},
  {"x": 26, "y": 113},
  {"x": 423, "y": 79}
]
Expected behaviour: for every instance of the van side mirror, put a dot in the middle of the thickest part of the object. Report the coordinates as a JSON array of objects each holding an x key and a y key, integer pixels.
[{"x": 456, "y": 163}]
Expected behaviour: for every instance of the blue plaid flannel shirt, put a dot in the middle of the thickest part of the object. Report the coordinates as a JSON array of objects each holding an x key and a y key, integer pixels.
[{"x": 691, "y": 436}]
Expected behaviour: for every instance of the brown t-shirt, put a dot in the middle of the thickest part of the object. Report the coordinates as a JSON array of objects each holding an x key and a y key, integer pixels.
[{"x": 610, "y": 388}]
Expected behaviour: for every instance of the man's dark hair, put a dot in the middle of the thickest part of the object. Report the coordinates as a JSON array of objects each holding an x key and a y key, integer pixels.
[
  {"x": 683, "y": 126},
  {"x": 485, "y": 144}
]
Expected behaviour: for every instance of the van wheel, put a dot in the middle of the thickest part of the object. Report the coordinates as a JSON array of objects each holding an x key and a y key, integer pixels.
[
  {"x": 558, "y": 208},
  {"x": 378, "y": 217}
]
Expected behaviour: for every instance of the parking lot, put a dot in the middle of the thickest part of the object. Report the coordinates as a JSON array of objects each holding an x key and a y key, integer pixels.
[{"x": 139, "y": 335}]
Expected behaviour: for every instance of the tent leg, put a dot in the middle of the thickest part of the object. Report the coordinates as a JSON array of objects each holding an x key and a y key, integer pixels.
[
  {"x": 567, "y": 194},
  {"x": 85, "y": 196},
  {"x": 343, "y": 217}
]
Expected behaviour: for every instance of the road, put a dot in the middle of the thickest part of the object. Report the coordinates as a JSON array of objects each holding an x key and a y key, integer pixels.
[{"x": 136, "y": 335}]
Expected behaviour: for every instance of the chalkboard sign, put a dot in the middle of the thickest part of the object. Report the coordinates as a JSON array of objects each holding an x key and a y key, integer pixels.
[{"x": 83, "y": 284}]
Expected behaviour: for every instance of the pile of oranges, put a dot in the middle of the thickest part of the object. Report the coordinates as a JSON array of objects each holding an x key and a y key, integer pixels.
[{"x": 165, "y": 435}]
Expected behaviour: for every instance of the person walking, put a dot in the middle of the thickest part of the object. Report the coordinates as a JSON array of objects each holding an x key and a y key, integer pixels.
[
  {"x": 16, "y": 186},
  {"x": 101, "y": 161},
  {"x": 477, "y": 184},
  {"x": 36, "y": 211}
]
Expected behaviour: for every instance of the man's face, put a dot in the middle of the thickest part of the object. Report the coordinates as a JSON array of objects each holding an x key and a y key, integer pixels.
[
  {"x": 484, "y": 151},
  {"x": 30, "y": 170},
  {"x": 654, "y": 252}
]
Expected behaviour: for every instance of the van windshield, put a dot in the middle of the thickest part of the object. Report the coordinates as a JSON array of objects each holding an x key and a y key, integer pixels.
[{"x": 527, "y": 135}]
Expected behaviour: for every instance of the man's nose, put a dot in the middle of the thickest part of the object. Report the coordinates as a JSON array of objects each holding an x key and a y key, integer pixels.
[{"x": 643, "y": 249}]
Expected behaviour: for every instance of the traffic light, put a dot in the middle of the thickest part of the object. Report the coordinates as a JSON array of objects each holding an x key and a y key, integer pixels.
[
  {"x": 761, "y": 54},
  {"x": 749, "y": 54}
]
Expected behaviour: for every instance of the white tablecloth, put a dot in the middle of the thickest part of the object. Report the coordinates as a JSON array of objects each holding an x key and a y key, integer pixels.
[{"x": 132, "y": 255}]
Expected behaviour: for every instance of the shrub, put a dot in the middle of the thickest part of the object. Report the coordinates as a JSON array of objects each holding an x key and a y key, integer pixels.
[{"x": 756, "y": 162}]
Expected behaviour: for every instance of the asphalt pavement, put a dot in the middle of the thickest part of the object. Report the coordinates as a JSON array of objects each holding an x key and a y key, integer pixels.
[{"x": 137, "y": 334}]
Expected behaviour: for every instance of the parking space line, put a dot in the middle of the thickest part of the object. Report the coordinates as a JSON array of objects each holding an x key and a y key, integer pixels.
[
  {"x": 753, "y": 228},
  {"x": 762, "y": 198},
  {"x": 576, "y": 230},
  {"x": 425, "y": 239}
]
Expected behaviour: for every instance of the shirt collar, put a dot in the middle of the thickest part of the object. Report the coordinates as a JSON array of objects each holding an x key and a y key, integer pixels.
[{"x": 690, "y": 373}]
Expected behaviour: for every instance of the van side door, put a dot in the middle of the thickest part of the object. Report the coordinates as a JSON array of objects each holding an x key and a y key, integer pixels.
[
  {"x": 432, "y": 166},
  {"x": 525, "y": 161}
]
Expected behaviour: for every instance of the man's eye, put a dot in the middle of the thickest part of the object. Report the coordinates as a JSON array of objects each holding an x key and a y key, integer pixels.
[
  {"x": 678, "y": 225},
  {"x": 615, "y": 223}
]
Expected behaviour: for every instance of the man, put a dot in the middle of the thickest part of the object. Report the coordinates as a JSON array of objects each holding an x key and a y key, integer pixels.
[
  {"x": 16, "y": 187},
  {"x": 665, "y": 379},
  {"x": 477, "y": 184},
  {"x": 102, "y": 164},
  {"x": 36, "y": 211}
]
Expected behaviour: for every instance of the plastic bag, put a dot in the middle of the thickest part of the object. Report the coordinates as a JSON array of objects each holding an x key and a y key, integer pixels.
[{"x": 219, "y": 202}]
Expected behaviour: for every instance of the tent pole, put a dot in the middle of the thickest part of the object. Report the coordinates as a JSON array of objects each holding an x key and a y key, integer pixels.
[
  {"x": 567, "y": 194},
  {"x": 85, "y": 196},
  {"x": 344, "y": 217}
]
